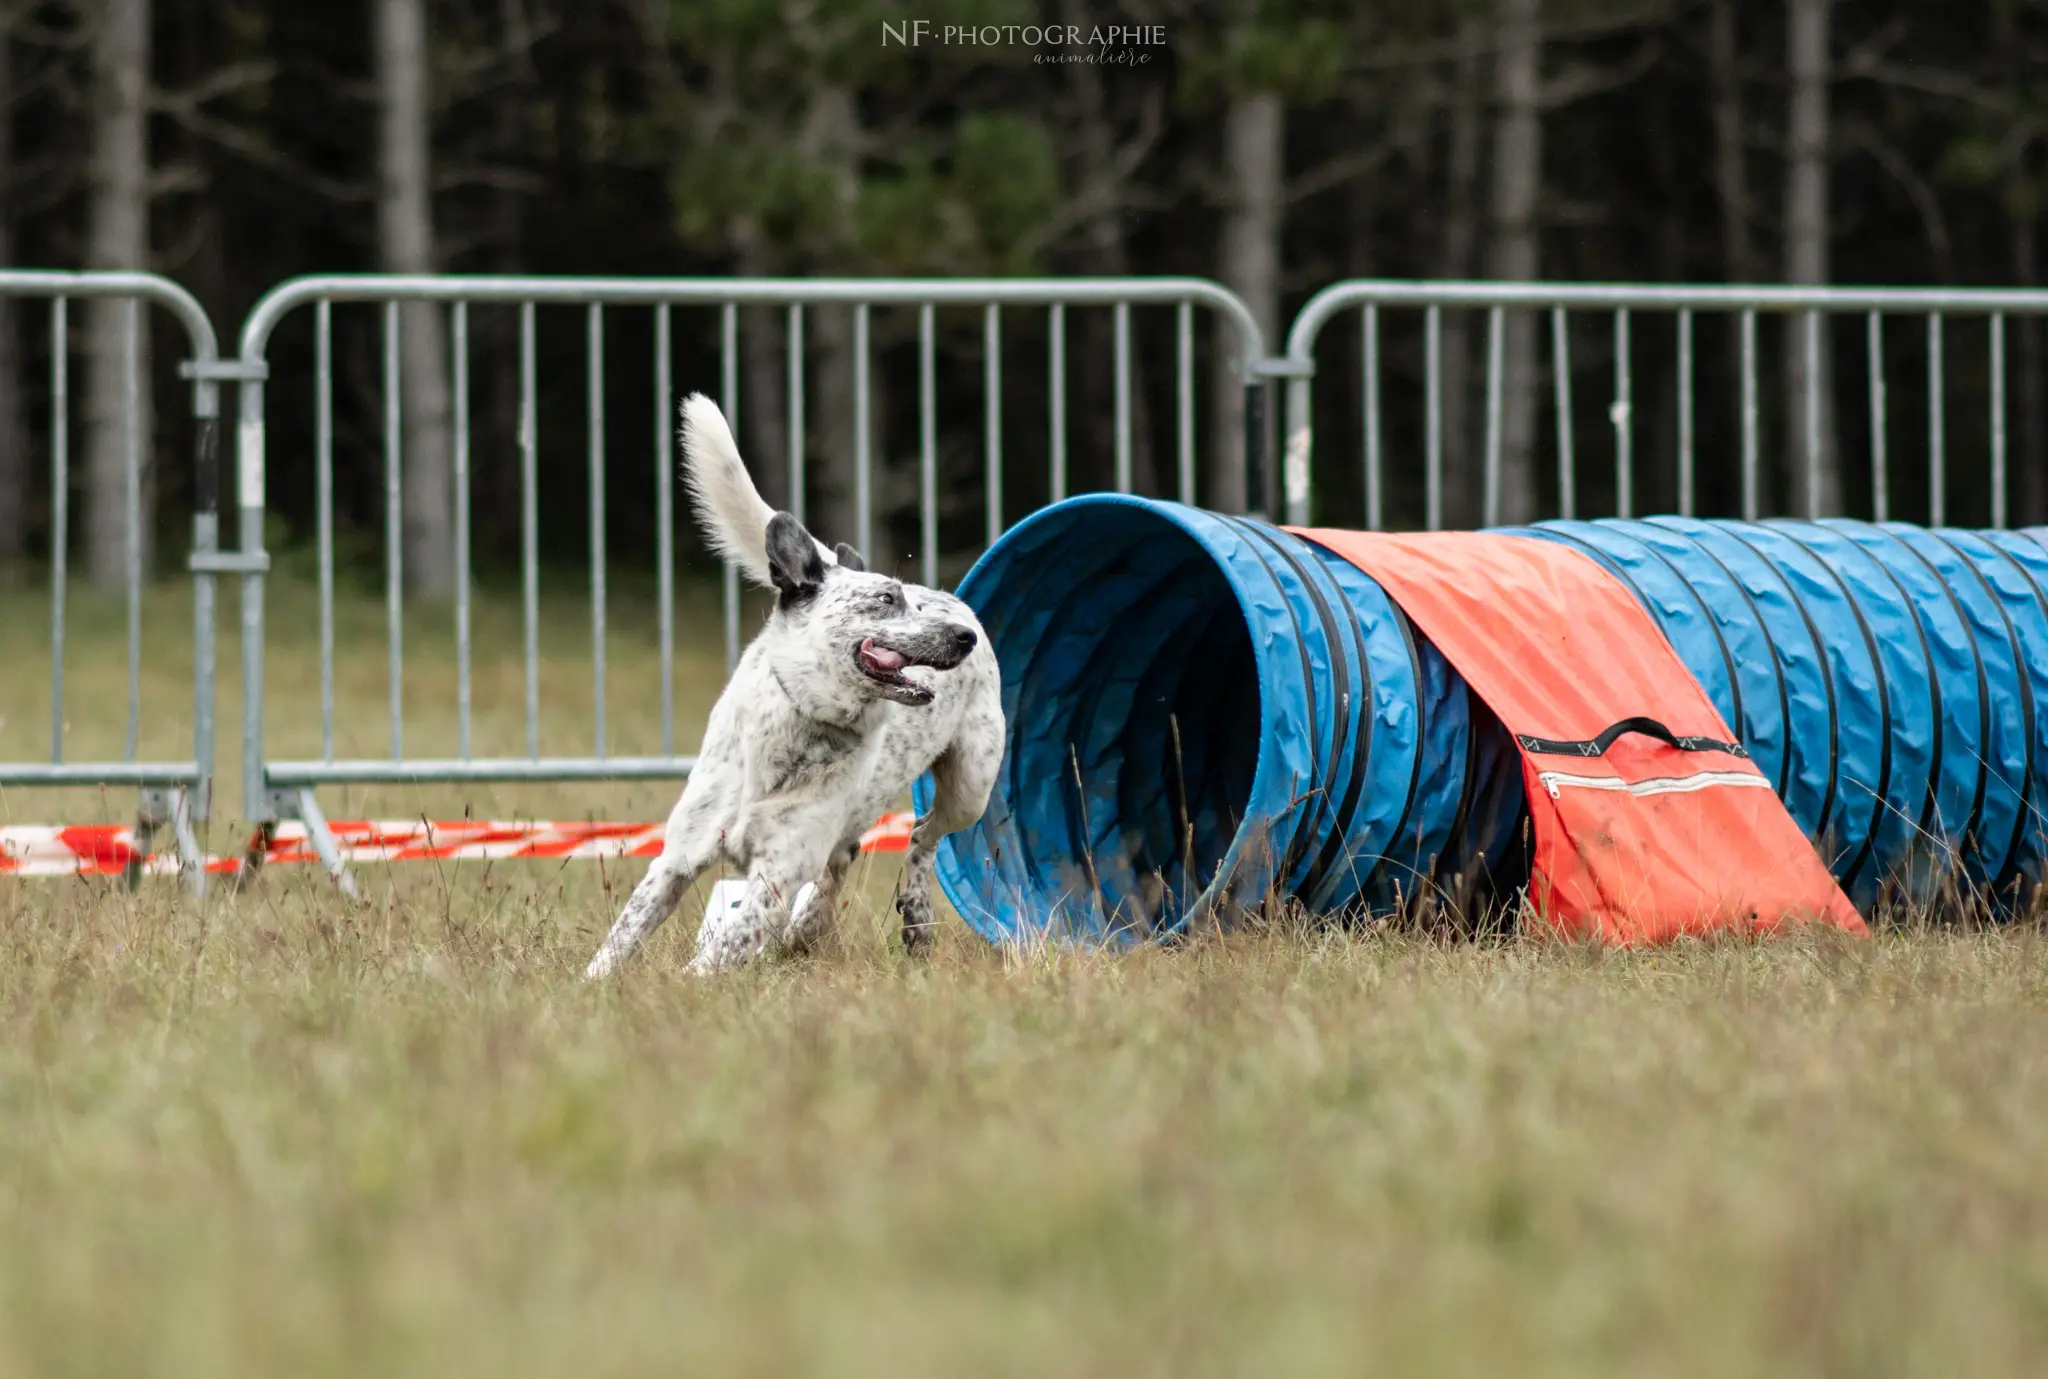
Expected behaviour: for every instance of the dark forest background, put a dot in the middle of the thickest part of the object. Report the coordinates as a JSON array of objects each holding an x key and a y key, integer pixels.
[{"x": 1276, "y": 147}]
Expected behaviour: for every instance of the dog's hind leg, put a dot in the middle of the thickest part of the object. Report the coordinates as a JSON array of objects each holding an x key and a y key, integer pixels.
[
  {"x": 695, "y": 838},
  {"x": 777, "y": 873},
  {"x": 810, "y": 920},
  {"x": 962, "y": 778}
]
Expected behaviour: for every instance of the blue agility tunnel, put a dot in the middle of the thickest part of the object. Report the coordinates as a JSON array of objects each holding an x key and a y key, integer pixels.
[{"x": 1205, "y": 710}]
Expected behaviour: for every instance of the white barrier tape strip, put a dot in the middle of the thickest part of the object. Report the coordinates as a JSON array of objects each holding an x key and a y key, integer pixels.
[{"x": 108, "y": 849}]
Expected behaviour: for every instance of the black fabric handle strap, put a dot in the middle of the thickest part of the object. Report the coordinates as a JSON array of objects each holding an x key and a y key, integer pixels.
[{"x": 1648, "y": 727}]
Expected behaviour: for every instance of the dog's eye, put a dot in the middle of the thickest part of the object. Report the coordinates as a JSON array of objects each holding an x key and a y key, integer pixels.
[{"x": 891, "y": 598}]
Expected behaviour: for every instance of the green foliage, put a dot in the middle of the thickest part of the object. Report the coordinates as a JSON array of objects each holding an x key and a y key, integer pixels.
[
  {"x": 1006, "y": 174},
  {"x": 896, "y": 191},
  {"x": 1291, "y": 50}
]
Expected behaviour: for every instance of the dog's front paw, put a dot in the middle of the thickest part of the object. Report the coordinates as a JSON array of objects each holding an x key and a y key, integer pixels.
[{"x": 920, "y": 928}]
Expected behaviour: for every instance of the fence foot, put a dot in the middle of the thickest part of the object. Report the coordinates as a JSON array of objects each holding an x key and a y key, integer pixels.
[
  {"x": 324, "y": 846},
  {"x": 191, "y": 861},
  {"x": 255, "y": 853},
  {"x": 157, "y": 809},
  {"x": 302, "y": 806}
]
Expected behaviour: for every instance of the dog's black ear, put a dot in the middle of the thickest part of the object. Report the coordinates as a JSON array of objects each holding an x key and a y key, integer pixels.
[
  {"x": 848, "y": 558},
  {"x": 794, "y": 563}
]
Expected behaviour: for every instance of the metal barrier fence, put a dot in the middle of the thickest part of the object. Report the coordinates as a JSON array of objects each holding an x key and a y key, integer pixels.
[
  {"x": 279, "y": 789},
  {"x": 1808, "y": 308},
  {"x": 174, "y": 793},
  {"x": 177, "y": 793}
]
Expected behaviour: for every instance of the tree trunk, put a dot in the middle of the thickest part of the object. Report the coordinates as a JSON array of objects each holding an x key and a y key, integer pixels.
[
  {"x": 405, "y": 242},
  {"x": 832, "y": 135},
  {"x": 494, "y": 335},
  {"x": 2030, "y": 454},
  {"x": 2029, "y": 458},
  {"x": 117, "y": 236},
  {"x": 1731, "y": 173},
  {"x": 1731, "y": 163},
  {"x": 1254, "y": 143},
  {"x": 763, "y": 407},
  {"x": 1460, "y": 243},
  {"x": 13, "y": 424},
  {"x": 1806, "y": 253},
  {"x": 1517, "y": 182},
  {"x": 1109, "y": 255},
  {"x": 1106, "y": 252}
]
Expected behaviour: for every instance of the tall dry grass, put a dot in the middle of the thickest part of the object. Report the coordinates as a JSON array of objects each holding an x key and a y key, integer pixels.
[{"x": 278, "y": 1134}]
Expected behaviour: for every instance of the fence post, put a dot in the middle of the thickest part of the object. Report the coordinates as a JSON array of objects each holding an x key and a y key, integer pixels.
[
  {"x": 249, "y": 502},
  {"x": 205, "y": 544}
]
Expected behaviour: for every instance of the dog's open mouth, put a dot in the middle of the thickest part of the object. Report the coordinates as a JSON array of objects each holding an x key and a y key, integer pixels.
[{"x": 885, "y": 666}]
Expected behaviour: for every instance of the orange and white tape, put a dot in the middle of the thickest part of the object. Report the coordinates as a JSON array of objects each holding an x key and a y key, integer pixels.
[{"x": 109, "y": 850}]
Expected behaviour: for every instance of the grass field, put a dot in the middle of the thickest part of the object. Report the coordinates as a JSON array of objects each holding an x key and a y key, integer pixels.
[{"x": 276, "y": 1134}]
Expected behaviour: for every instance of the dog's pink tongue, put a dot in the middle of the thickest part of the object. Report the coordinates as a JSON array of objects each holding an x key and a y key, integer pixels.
[{"x": 881, "y": 657}]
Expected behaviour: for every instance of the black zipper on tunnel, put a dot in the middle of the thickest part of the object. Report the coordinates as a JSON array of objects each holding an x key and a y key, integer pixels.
[
  {"x": 1727, "y": 657},
  {"x": 1333, "y": 631},
  {"x": 1976, "y": 819},
  {"x": 1756, "y": 613},
  {"x": 1827, "y": 681},
  {"x": 2019, "y": 825},
  {"x": 1881, "y": 797}
]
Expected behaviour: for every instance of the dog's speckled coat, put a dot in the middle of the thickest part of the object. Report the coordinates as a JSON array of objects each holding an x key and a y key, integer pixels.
[{"x": 857, "y": 686}]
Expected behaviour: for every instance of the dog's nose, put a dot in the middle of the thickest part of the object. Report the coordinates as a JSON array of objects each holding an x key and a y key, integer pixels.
[{"x": 964, "y": 639}]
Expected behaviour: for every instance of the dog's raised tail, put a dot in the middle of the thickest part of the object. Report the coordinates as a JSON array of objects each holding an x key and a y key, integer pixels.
[{"x": 733, "y": 513}]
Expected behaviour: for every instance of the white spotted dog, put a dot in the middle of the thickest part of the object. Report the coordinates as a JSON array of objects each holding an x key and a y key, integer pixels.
[{"x": 858, "y": 685}]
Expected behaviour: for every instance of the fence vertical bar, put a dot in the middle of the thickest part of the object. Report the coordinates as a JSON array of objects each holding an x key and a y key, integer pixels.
[
  {"x": 1686, "y": 499},
  {"x": 1123, "y": 397},
  {"x": 60, "y": 510},
  {"x": 1880, "y": 474},
  {"x": 1937, "y": 459},
  {"x": 1623, "y": 414},
  {"x": 131, "y": 445},
  {"x": 992, "y": 417},
  {"x": 323, "y": 500},
  {"x": 729, "y": 397},
  {"x": 394, "y": 528},
  {"x": 1184, "y": 398},
  {"x": 1998, "y": 420},
  {"x": 1496, "y": 319},
  {"x": 594, "y": 412},
  {"x": 529, "y": 521},
  {"x": 205, "y": 603},
  {"x": 664, "y": 528},
  {"x": 1369, "y": 355},
  {"x": 249, "y": 486},
  {"x": 1810, "y": 368},
  {"x": 863, "y": 436},
  {"x": 928, "y": 444},
  {"x": 1433, "y": 405},
  {"x": 1561, "y": 392},
  {"x": 795, "y": 388},
  {"x": 459, "y": 349},
  {"x": 1056, "y": 381},
  {"x": 1751, "y": 496}
]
